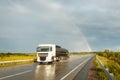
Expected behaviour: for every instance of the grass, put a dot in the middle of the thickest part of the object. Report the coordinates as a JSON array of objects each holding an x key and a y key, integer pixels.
[
  {"x": 16, "y": 56},
  {"x": 100, "y": 72},
  {"x": 15, "y": 63},
  {"x": 113, "y": 66}
]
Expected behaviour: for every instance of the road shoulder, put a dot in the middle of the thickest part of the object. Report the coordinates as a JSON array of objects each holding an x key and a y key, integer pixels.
[{"x": 92, "y": 72}]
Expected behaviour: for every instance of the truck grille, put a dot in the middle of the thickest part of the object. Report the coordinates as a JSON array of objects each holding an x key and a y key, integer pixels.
[
  {"x": 42, "y": 58},
  {"x": 42, "y": 54}
]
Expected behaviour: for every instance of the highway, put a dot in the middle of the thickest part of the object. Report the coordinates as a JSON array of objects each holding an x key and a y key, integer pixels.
[{"x": 75, "y": 68}]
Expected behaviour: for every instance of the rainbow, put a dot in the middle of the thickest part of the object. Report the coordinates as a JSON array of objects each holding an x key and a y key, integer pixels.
[{"x": 71, "y": 22}]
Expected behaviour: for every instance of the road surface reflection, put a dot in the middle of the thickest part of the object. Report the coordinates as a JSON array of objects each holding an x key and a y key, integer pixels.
[{"x": 45, "y": 72}]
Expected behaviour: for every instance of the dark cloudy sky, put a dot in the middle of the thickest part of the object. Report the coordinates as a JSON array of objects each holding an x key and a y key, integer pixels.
[{"x": 77, "y": 25}]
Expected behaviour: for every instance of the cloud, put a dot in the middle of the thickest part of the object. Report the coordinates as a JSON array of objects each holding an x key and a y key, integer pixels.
[
  {"x": 19, "y": 8},
  {"x": 74, "y": 24},
  {"x": 14, "y": 8},
  {"x": 49, "y": 4}
]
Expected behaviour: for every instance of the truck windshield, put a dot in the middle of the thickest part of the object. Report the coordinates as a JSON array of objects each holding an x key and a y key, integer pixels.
[{"x": 43, "y": 49}]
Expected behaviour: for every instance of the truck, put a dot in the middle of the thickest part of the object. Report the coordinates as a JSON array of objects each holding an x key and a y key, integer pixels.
[{"x": 51, "y": 53}]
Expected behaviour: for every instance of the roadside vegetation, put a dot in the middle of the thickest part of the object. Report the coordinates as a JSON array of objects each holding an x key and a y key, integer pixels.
[
  {"x": 111, "y": 61},
  {"x": 16, "y": 56},
  {"x": 101, "y": 74}
]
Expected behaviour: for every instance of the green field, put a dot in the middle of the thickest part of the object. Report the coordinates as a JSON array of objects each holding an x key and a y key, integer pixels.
[
  {"x": 101, "y": 74},
  {"x": 111, "y": 61},
  {"x": 16, "y": 56}
]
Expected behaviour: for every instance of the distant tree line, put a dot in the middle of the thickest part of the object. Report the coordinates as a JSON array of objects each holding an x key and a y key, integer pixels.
[{"x": 14, "y": 54}]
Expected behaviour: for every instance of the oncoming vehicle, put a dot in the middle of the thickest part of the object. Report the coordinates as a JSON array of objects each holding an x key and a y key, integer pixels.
[{"x": 51, "y": 53}]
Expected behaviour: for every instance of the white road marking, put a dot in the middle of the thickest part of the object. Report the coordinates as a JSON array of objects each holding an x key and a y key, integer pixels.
[
  {"x": 73, "y": 70},
  {"x": 15, "y": 74}
]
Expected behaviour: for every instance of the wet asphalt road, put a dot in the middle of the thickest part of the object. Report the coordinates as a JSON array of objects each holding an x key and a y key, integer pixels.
[{"x": 65, "y": 70}]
